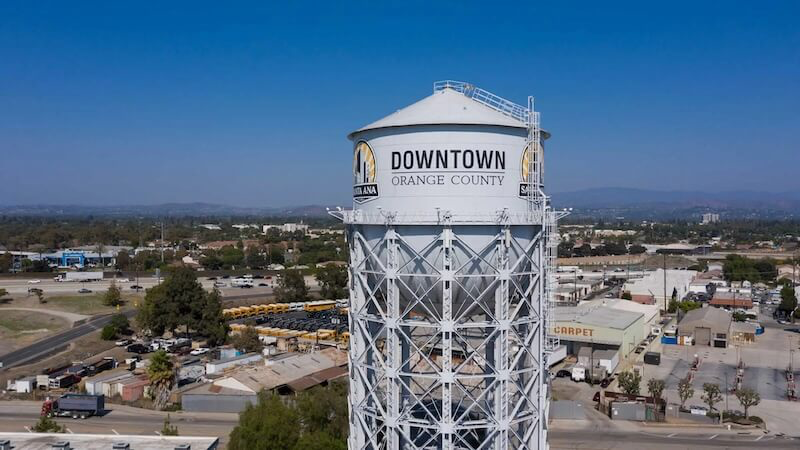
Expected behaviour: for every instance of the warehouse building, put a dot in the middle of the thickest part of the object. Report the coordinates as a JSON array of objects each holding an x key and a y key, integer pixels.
[
  {"x": 57, "y": 441},
  {"x": 650, "y": 290},
  {"x": 652, "y": 313},
  {"x": 285, "y": 373},
  {"x": 707, "y": 326},
  {"x": 599, "y": 327}
]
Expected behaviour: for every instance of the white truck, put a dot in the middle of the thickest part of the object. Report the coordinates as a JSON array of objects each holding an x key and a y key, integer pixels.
[
  {"x": 79, "y": 276},
  {"x": 579, "y": 373},
  {"x": 242, "y": 282}
]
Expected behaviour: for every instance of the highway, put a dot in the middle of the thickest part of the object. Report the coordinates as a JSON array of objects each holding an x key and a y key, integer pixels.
[{"x": 55, "y": 343}]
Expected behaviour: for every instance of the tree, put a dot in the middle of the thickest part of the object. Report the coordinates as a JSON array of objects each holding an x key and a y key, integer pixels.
[
  {"x": 324, "y": 409},
  {"x": 636, "y": 249},
  {"x": 333, "y": 281},
  {"x": 39, "y": 295},
  {"x": 161, "y": 374},
  {"x": 168, "y": 429},
  {"x": 255, "y": 258},
  {"x": 685, "y": 391},
  {"x": 177, "y": 301},
  {"x": 212, "y": 325},
  {"x": 113, "y": 296},
  {"x": 656, "y": 388},
  {"x": 247, "y": 340},
  {"x": 123, "y": 260},
  {"x": 747, "y": 398},
  {"x": 788, "y": 299},
  {"x": 319, "y": 440},
  {"x": 673, "y": 306},
  {"x": 267, "y": 425},
  {"x": 711, "y": 395},
  {"x": 291, "y": 287},
  {"x": 739, "y": 316},
  {"x": 47, "y": 425},
  {"x": 3, "y": 293},
  {"x": 109, "y": 333},
  {"x": 276, "y": 254},
  {"x": 120, "y": 323},
  {"x": 629, "y": 382},
  {"x": 6, "y": 261},
  {"x": 616, "y": 248}
]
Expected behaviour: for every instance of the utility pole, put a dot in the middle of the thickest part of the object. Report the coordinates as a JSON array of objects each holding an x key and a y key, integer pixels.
[
  {"x": 162, "y": 241},
  {"x": 664, "y": 265}
]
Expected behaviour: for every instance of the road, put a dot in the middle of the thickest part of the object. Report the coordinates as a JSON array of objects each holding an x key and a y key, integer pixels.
[
  {"x": 56, "y": 342},
  {"x": 15, "y": 416},
  {"x": 636, "y": 440}
]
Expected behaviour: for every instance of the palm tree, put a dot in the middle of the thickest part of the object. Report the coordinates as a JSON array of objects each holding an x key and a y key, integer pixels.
[{"x": 161, "y": 373}]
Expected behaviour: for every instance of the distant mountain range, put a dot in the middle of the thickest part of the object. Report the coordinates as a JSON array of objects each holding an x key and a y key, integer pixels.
[
  {"x": 629, "y": 197},
  {"x": 601, "y": 201}
]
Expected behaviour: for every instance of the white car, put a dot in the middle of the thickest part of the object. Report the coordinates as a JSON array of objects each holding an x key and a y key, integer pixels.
[
  {"x": 34, "y": 281},
  {"x": 122, "y": 342},
  {"x": 199, "y": 351}
]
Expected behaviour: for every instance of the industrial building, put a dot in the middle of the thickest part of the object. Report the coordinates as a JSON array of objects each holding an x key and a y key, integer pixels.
[
  {"x": 651, "y": 313},
  {"x": 285, "y": 373},
  {"x": 599, "y": 327},
  {"x": 64, "y": 441},
  {"x": 651, "y": 290},
  {"x": 707, "y": 326}
]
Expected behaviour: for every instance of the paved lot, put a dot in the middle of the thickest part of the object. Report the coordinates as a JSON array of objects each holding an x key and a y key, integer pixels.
[{"x": 765, "y": 363}]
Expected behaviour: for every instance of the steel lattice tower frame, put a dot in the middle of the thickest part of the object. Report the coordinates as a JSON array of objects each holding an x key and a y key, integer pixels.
[{"x": 449, "y": 334}]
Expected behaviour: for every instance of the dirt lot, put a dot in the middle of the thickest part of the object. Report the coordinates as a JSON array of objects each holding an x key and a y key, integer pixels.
[{"x": 20, "y": 328}]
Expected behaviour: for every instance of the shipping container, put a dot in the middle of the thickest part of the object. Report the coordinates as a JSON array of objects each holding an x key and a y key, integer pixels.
[{"x": 653, "y": 358}]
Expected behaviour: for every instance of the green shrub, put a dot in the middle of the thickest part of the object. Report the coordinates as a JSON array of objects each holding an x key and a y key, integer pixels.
[{"x": 109, "y": 333}]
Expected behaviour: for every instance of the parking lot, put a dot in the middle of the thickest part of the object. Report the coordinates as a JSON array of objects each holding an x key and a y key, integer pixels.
[{"x": 765, "y": 362}]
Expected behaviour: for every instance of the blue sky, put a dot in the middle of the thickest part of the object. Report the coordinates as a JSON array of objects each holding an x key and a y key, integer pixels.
[{"x": 111, "y": 103}]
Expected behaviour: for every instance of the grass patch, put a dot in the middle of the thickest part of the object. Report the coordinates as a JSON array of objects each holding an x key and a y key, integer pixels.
[
  {"x": 15, "y": 322},
  {"x": 87, "y": 304}
]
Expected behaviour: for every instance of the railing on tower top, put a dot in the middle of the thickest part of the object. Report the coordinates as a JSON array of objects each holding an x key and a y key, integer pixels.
[{"x": 493, "y": 101}]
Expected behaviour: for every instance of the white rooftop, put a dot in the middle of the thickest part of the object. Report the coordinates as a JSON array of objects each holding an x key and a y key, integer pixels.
[
  {"x": 45, "y": 441},
  {"x": 444, "y": 107}
]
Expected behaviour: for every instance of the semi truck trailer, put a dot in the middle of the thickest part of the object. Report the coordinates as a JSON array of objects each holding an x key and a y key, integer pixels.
[{"x": 74, "y": 405}]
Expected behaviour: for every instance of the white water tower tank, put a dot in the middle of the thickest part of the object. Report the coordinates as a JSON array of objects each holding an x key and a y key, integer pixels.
[{"x": 449, "y": 271}]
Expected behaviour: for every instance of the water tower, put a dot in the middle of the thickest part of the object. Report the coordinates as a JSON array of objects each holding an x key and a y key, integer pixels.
[{"x": 452, "y": 250}]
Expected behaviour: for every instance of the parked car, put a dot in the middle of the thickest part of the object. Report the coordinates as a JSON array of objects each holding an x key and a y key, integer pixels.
[
  {"x": 606, "y": 382},
  {"x": 199, "y": 351},
  {"x": 211, "y": 278},
  {"x": 84, "y": 291},
  {"x": 219, "y": 284},
  {"x": 137, "y": 348},
  {"x": 640, "y": 349},
  {"x": 136, "y": 286},
  {"x": 122, "y": 342},
  {"x": 263, "y": 285},
  {"x": 564, "y": 373},
  {"x": 698, "y": 410}
]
